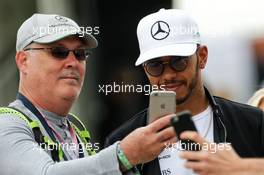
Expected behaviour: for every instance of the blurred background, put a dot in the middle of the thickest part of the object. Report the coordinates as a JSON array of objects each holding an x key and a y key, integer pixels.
[{"x": 233, "y": 30}]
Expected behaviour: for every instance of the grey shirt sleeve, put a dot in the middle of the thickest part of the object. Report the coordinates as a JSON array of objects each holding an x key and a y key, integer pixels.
[{"x": 20, "y": 155}]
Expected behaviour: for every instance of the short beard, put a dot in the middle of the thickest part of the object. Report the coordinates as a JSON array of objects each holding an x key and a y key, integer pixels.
[{"x": 191, "y": 87}]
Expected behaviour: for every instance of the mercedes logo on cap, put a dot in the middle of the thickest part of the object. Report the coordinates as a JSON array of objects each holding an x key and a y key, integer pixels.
[
  {"x": 160, "y": 30},
  {"x": 61, "y": 19}
]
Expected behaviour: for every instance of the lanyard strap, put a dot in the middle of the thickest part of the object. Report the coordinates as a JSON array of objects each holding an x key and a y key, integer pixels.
[
  {"x": 72, "y": 133},
  {"x": 59, "y": 137},
  {"x": 36, "y": 112}
]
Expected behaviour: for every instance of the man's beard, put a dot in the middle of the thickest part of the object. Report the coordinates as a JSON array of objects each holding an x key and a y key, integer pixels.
[{"x": 190, "y": 88}]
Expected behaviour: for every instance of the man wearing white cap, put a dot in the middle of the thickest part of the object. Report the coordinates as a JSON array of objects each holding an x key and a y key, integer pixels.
[
  {"x": 172, "y": 55},
  {"x": 38, "y": 136}
]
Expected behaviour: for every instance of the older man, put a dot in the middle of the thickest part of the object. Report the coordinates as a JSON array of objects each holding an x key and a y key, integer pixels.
[
  {"x": 172, "y": 55},
  {"x": 37, "y": 133}
]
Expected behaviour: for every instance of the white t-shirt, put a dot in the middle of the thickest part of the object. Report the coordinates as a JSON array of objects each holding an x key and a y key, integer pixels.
[{"x": 169, "y": 160}]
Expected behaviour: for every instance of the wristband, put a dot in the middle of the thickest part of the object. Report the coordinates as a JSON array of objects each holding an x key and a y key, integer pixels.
[{"x": 122, "y": 158}]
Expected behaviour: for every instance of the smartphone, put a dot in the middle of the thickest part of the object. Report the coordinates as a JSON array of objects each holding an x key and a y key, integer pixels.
[
  {"x": 161, "y": 103},
  {"x": 183, "y": 122}
]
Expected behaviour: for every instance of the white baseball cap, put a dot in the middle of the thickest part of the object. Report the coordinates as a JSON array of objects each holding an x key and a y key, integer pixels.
[
  {"x": 169, "y": 32},
  {"x": 48, "y": 28}
]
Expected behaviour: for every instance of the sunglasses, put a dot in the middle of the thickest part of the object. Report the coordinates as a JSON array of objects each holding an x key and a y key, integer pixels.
[
  {"x": 62, "y": 52},
  {"x": 155, "y": 68}
]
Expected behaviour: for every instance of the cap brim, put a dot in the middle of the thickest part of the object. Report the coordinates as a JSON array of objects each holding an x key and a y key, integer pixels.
[
  {"x": 185, "y": 49},
  {"x": 87, "y": 38}
]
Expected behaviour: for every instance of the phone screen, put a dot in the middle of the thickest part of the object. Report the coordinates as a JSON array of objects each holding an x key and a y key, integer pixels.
[{"x": 183, "y": 122}]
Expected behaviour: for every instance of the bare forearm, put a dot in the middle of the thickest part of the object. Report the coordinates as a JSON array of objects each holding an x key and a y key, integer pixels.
[{"x": 254, "y": 166}]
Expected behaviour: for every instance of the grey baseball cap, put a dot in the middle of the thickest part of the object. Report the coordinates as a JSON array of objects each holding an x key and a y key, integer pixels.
[{"x": 48, "y": 28}]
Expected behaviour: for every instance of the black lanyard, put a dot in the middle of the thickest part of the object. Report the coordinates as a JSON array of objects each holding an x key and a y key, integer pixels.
[{"x": 36, "y": 112}]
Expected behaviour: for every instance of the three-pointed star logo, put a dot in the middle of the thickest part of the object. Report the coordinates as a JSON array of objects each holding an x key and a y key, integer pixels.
[
  {"x": 160, "y": 30},
  {"x": 61, "y": 18}
]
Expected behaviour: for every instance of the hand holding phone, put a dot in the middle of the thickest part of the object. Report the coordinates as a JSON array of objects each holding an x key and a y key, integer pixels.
[{"x": 183, "y": 122}]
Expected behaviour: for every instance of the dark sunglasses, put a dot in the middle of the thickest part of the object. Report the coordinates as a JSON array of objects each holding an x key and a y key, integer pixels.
[
  {"x": 156, "y": 67},
  {"x": 62, "y": 52}
]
